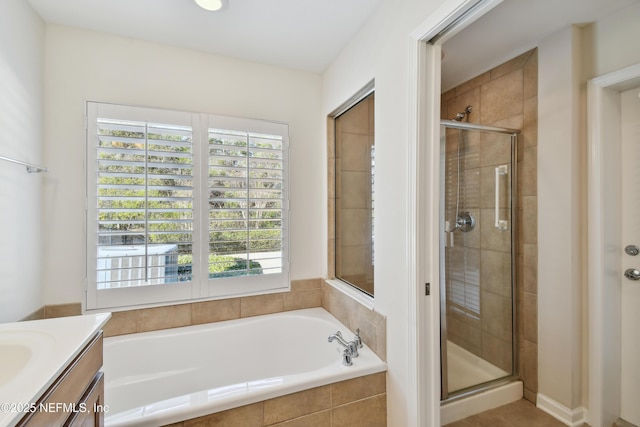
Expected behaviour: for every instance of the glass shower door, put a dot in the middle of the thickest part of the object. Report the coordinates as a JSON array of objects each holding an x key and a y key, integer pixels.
[{"x": 477, "y": 256}]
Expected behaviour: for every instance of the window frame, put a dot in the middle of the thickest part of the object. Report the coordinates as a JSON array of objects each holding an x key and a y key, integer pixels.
[{"x": 201, "y": 287}]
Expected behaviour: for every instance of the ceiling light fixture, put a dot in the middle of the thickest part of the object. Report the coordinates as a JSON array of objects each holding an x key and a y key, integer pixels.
[{"x": 211, "y": 5}]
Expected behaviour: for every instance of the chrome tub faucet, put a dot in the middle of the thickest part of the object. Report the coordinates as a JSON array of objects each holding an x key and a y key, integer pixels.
[{"x": 350, "y": 347}]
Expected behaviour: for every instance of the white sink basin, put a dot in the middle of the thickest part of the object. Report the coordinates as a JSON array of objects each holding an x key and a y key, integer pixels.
[
  {"x": 14, "y": 359},
  {"x": 22, "y": 352},
  {"x": 34, "y": 353}
]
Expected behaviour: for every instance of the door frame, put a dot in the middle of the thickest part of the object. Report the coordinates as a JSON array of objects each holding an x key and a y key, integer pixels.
[
  {"x": 604, "y": 267},
  {"x": 423, "y": 175}
]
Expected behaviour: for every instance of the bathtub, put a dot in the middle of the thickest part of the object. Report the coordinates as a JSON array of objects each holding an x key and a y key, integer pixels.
[{"x": 162, "y": 377}]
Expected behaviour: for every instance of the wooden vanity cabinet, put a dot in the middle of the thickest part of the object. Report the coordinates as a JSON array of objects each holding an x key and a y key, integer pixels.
[{"x": 73, "y": 398}]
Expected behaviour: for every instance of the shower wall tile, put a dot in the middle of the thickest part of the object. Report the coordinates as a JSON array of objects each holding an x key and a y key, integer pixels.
[
  {"x": 495, "y": 275},
  {"x": 512, "y": 122},
  {"x": 530, "y": 317},
  {"x": 497, "y": 352},
  {"x": 495, "y": 149},
  {"x": 508, "y": 98},
  {"x": 502, "y": 97},
  {"x": 459, "y": 103},
  {"x": 490, "y": 237},
  {"x": 496, "y": 315},
  {"x": 448, "y": 95},
  {"x": 531, "y": 76},
  {"x": 530, "y": 268},
  {"x": 530, "y": 220},
  {"x": 511, "y": 65},
  {"x": 473, "y": 83},
  {"x": 465, "y": 335},
  {"x": 530, "y": 126},
  {"x": 528, "y": 173},
  {"x": 530, "y": 366}
]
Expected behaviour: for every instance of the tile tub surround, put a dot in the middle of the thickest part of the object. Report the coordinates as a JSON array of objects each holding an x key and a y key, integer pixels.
[
  {"x": 56, "y": 310},
  {"x": 372, "y": 325},
  {"x": 307, "y": 293},
  {"x": 359, "y": 402},
  {"x": 506, "y": 96},
  {"x": 303, "y": 294}
]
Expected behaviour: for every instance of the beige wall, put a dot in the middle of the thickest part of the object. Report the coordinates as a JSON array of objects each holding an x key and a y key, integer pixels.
[
  {"x": 80, "y": 67},
  {"x": 505, "y": 96},
  {"x": 21, "y": 96}
]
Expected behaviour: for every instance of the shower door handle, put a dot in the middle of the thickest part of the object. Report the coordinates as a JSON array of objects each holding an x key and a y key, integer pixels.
[{"x": 501, "y": 224}]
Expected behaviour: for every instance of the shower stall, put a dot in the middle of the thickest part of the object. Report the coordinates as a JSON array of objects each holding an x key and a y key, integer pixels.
[{"x": 477, "y": 256}]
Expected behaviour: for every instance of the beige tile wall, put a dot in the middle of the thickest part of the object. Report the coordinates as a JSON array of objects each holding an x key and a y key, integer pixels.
[
  {"x": 372, "y": 325},
  {"x": 303, "y": 294},
  {"x": 360, "y": 402},
  {"x": 57, "y": 310},
  {"x": 505, "y": 96},
  {"x": 308, "y": 293}
]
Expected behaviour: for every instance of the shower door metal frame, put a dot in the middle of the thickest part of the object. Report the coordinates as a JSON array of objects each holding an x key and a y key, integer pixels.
[{"x": 444, "y": 385}]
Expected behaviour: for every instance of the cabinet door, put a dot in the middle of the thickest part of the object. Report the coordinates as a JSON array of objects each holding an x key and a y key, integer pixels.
[{"x": 92, "y": 403}]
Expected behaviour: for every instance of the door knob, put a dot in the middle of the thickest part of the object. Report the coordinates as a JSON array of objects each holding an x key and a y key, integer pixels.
[
  {"x": 632, "y": 274},
  {"x": 632, "y": 250}
]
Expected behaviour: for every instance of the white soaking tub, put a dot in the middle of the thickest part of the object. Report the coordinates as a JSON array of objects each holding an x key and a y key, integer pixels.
[{"x": 162, "y": 377}]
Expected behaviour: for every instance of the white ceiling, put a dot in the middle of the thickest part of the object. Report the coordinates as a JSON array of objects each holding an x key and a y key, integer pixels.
[
  {"x": 299, "y": 34},
  {"x": 308, "y": 35},
  {"x": 514, "y": 27}
]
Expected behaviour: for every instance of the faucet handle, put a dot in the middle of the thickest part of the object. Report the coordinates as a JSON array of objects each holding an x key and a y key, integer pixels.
[
  {"x": 357, "y": 339},
  {"x": 346, "y": 357}
]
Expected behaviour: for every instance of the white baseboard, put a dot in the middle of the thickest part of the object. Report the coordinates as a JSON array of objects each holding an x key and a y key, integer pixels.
[
  {"x": 463, "y": 408},
  {"x": 571, "y": 417}
]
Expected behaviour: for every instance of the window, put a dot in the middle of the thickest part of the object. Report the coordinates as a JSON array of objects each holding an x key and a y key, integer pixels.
[
  {"x": 183, "y": 206},
  {"x": 354, "y": 166}
]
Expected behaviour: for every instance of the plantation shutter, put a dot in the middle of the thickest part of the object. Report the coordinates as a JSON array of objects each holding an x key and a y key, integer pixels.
[
  {"x": 246, "y": 201},
  {"x": 144, "y": 203},
  {"x": 183, "y": 206}
]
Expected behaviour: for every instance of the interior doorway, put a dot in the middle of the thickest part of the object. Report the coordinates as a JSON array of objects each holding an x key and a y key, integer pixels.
[{"x": 614, "y": 145}]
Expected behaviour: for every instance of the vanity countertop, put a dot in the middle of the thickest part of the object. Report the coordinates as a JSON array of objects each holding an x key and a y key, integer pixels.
[{"x": 34, "y": 353}]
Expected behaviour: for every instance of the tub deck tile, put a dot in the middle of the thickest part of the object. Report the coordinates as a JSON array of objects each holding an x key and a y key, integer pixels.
[
  {"x": 244, "y": 416},
  {"x": 297, "y": 404},
  {"x": 319, "y": 419}
]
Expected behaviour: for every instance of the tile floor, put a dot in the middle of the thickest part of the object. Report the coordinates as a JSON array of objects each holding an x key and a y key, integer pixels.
[{"x": 518, "y": 414}]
